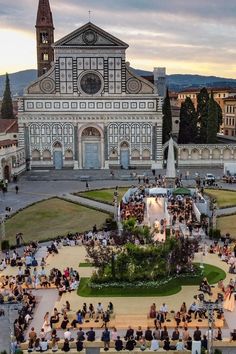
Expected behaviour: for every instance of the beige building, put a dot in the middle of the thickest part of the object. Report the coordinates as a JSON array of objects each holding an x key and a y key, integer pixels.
[
  {"x": 229, "y": 116},
  {"x": 219, "y": 93},
  {"x": 12, "y": 157}
]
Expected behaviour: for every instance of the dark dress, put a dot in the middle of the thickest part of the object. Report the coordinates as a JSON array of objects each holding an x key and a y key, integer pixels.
[
  {"x": 130, "y": 344},
  {"x": 118, "y": 345},
  {"x": 79, "y": 346}
]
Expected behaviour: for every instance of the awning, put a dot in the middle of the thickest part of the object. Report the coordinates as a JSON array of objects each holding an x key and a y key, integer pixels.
[{"x": 181, "y": 191}]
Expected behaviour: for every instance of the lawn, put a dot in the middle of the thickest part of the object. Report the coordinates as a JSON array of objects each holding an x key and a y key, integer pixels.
[
  {"x": 223, "y": 198},
  {"x": 227, "y": 224},
  {"x": 104, "y": 195},
  {"x": 213, "y": 274},
  {"x": 50, "y": 218}
]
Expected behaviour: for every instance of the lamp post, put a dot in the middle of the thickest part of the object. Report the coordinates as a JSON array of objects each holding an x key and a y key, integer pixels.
[
  {"x": 115, "y": 200},
  {"x": 210, "y": 307}
]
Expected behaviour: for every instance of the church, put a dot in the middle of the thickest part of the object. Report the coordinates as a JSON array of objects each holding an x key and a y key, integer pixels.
[{"x": 88, "y": 109}]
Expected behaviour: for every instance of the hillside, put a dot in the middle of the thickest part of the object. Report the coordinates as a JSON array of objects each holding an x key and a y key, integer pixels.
[
  {"x": 18, "y": 81},
  {"x": 176, "y": 82}
]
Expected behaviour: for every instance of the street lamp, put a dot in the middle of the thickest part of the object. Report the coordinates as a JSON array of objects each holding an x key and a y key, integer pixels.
[{"x": 210, "y": 307}]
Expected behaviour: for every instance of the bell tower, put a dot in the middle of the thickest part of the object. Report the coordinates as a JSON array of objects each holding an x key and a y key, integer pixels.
[{"x": 44, "y": 36}]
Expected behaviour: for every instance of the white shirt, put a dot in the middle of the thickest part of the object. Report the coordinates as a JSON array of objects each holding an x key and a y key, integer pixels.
[
  {"x": 67, "y": 335},
  {"x": 44, "y": 345},
  {"x": 179, "y": 346},
  {"x": 154, "y": 345},
  {"x": 164, "y": 308}
]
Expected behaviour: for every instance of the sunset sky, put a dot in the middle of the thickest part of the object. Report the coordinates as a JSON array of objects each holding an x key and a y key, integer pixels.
[{"x": 185, "y": 36}]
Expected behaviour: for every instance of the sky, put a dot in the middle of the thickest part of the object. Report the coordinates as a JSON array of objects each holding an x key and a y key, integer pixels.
[{"x": 185, "y": 36}]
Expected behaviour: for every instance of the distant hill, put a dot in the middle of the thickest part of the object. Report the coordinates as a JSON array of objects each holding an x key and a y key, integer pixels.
[
  {"x": 18, "y": 81},
  {"x": 176, "y": 82}
]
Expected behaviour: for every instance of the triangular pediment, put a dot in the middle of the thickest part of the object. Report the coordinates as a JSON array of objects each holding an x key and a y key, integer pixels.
[{"x": 90, "y": 35}]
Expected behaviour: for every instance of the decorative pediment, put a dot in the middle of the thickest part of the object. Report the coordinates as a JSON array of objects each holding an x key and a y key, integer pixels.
[{"x": 90, "y": 35}]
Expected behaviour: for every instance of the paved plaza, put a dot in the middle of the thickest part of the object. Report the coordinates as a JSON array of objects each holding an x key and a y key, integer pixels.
[{"x": 31, "y": 191}]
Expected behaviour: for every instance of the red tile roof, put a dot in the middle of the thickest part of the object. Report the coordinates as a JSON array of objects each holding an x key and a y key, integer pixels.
[
  {"x": 7, "y": 142},
  {"x": 8, "y": 126}
]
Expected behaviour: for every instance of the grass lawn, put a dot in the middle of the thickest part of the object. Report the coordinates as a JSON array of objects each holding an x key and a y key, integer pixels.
[
  {"x": 213, "y": 274},
  {"x": 227, "y": 224},
  {"x": 50, "y": 218},
  {"x": 223, "y": 198},
  {"x": 104, "y": 195}
]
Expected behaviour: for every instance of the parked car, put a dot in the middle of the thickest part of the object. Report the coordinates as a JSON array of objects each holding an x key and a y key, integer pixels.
[{"x": 210, "y": 179}]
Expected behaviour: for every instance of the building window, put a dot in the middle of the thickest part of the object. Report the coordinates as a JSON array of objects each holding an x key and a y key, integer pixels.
[
  {"x": 44, "y": 37},
  {"x": 45, "y": 56}
]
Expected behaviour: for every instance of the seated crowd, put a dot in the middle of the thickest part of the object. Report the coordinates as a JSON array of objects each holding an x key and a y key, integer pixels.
[
  {"x": 68, "y": 280},
  {"x": 153, "y": 340},
  {"x": 134, "y": 206},
  {"x": 226, "y": 252}
]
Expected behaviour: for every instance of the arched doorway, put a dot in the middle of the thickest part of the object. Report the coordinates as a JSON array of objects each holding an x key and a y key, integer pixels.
[
  {"x": 57, "y": 156},
  {"x": 7, "y": 173},
  {"x": 91, "y": 148},
  {"x": 124, "y": 155}
]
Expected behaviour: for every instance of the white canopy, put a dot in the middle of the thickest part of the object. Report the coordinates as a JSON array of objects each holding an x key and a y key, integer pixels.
[{"x": 157, "y": 191}]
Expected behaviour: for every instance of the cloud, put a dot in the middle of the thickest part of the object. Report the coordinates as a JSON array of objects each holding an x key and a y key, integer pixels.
[{"x": 176, "y": 31}]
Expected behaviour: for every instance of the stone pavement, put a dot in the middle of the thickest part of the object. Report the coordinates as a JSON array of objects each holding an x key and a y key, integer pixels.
[
  {"x": 88, "y": 202},
  {"x": 225, "y": 211},
  {"x": 34, "y": 191}
]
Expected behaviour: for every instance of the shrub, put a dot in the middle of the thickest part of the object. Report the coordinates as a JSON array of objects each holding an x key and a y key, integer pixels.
[
  {"x": 5, "y": 245},
  {"x": 217, "y": 351},
  {"x": 216, "y": 234}
]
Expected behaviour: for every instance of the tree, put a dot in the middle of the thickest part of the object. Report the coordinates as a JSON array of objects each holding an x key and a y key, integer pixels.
[
  {"x": 212, "y": 121},
  {"x": 7, "y": 106},
  {"x": 188, "y": 122},
  {"x": 167, "y": 119},
  {"x": 219, "y": 115},
  {"x": 202, "y": 114}
]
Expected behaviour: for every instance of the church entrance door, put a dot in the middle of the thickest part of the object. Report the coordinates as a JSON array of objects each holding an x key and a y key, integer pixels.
[
  {"x": 7, "y": 173},
  {"x": 91, "y": 147},
  {"x": 124, "y": 155},
  {"x": 91, "y": 158},
  {"x": 57, "y": 156}
]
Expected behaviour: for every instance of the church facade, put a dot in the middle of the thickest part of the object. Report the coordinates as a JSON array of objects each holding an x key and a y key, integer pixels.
[{"x": 90, "y": 110}]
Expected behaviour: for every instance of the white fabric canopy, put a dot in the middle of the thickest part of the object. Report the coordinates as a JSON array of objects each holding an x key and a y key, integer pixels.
[{"x": 156, "y": 191}]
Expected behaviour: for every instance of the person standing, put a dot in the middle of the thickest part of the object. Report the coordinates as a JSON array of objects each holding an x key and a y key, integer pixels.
[
  {"x": 106, "y": 338},
  {"x": 16, "y": 189}
]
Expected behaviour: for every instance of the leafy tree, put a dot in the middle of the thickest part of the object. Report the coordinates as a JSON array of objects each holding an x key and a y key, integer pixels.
[
  {"x": 188, "y": 122},
  {"x": 219, "y": 115},
  {"x": 212, "y": 122},
  {"x": 7, "y": 106},
  {"x": 202, "y": 113},
  {"x": 167, "y": 119}
]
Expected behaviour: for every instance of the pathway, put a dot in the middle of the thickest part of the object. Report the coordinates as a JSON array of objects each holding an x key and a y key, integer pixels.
[
  {"x": 226, "y": 211},
  {"x": 88, "y": 202}
]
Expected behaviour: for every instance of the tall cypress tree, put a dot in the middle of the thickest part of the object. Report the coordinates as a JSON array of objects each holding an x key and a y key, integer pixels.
[
  {"x": 167, "y": 118},
  {"x": 202, "y": 114},
  {"x": 7, "y": 106},
  {"x": 188, "y": 122},
  {"x": 212, "y": 122},
  {"x": 219, "y": 115}
]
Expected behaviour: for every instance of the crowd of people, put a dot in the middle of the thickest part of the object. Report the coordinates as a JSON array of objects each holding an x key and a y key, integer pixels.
[
  {"x": 134, "y": 206},
  {"x": 152, "y": 339},
  {"x": 181, "y": 210}
]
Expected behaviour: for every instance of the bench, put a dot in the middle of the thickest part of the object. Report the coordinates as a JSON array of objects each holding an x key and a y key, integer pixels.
[{"x": 98, "y": 344}]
